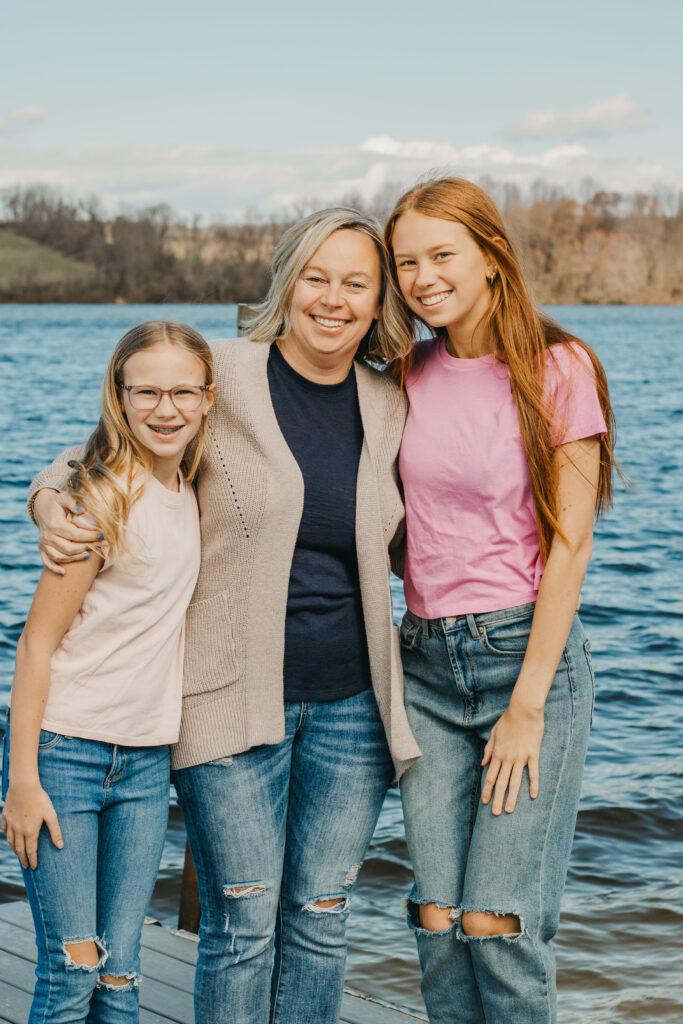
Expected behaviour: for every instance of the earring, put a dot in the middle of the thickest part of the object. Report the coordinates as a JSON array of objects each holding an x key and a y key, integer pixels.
[{"x": 493, "y": 276}]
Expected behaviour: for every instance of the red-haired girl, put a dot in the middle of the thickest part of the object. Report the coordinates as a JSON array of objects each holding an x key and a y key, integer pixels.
[{"x": 506, "y": 456}]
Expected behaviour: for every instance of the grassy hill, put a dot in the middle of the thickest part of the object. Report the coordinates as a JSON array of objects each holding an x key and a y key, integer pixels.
[{"x": 29, "y": 268}]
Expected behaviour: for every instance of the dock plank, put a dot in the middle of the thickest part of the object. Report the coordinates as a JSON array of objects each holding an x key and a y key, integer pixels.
[
  {"x": 164, "y": 941},
  {"x": 168, "y": 961},
  {"x": 360, "y": 1009}
]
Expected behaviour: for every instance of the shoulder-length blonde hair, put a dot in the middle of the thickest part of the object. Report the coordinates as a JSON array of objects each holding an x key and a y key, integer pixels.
[
  {"x": 294, "y": 251},
  {"x": 521, "y": 335},
  {"x": 106, "y": 480}
]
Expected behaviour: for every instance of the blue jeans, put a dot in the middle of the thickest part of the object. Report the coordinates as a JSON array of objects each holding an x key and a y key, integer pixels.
[
  {"x": 459, "y": 675},
  {"x": 274, "y": 832},
  {"x": 112, "y": 806}
]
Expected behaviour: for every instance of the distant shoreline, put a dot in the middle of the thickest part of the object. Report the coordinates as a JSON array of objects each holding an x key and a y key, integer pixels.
[{"x": 609, "y": 250}]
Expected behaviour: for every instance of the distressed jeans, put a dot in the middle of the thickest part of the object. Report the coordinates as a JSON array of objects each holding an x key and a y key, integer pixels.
[
  {"x": 275, "y": 832},
  {"x": 459, "y": 675},
  {"x": 112, "y": 806}
]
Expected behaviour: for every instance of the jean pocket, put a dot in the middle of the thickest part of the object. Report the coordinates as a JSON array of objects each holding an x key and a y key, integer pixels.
[
  {"x": 48, "y": 739},
  {"x": 506, "y": 639},
  {"x": 410, "y": 633}
]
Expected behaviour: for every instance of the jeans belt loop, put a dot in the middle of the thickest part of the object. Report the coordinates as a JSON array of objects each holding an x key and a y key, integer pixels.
[
  {"x": 474, "y": 629},
  {"x": 425, "y": 628}
]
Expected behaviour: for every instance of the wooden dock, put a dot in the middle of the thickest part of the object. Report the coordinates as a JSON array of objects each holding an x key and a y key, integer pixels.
[{"x": 168, "y": 961}]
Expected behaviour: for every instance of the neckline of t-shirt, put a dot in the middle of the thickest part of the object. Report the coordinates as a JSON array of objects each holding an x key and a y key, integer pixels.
[
  {"x": 172, "y": 499},
  {"x": 462, "y": 365},
  {"x": 304, "y": 382}
]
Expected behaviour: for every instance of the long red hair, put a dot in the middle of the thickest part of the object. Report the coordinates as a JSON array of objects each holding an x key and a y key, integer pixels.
[{"x": 520, "y": 335}]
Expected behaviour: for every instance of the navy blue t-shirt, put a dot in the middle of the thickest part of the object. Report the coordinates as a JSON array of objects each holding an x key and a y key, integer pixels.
[{"x": 326, "y": 651}]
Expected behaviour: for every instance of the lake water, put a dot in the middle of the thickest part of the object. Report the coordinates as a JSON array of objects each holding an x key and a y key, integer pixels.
[{"x": 620, "y": 945}]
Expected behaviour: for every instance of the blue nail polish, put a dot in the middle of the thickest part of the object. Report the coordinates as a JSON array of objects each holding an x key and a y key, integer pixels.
[
  {"x": 79, "y": 508},
  {"x": 86, "y": 555},
  {"x": 101, "y": 537}
]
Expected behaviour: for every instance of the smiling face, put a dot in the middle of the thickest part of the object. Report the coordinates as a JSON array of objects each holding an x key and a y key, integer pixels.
[
  {"x": 333, "y": 305},
  {"x": 442, "y": 274},
  {"x": 165, "y": 431}
]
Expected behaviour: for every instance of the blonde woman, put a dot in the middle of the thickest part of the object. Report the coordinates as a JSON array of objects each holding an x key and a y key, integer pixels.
[
  {"x": 293, "y": 719},
  {"x": 96, "y": 699}
]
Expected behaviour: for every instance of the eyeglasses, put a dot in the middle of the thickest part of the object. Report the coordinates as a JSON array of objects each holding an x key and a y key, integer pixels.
[{"x": 185, "y": 397}]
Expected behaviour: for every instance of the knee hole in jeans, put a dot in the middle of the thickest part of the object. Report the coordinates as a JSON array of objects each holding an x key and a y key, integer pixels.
[
  {"x": 482, "y": 924},
  {"x": 124, "y": 982},
  {"x": 85, "y": 954},
  {"x": 434, "y": 918},
  {"x": 328, "y": 905},
  {"x": 249, "y": 889}
]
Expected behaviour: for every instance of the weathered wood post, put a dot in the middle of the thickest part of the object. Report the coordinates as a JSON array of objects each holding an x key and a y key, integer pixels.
[{"x": 189, "y": 911}]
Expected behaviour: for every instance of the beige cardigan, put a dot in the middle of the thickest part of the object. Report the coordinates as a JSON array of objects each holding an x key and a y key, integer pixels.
[{"x": 251, "y": 492}]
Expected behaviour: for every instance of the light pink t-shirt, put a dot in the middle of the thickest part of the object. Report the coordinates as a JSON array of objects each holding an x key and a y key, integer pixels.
[
  {"x": 117, "y": 673},
  {"x": 471, "y": 523}
]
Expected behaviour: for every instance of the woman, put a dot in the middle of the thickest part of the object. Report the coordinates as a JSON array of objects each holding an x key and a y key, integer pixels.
[
  {"x": 293, "y": 721},
  {"x": 506, "y": 455}
]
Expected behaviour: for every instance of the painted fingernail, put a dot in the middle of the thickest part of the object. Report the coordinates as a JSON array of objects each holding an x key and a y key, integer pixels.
[
  {"x": 61, "y": 572},
  {"x": 86, "y": 555},
  {"x": 79, "y": 508},
  {"x": 101, "y": 537}
]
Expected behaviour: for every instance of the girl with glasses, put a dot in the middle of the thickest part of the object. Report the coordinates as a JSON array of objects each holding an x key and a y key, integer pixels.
[{"x": 96, "y": 699}]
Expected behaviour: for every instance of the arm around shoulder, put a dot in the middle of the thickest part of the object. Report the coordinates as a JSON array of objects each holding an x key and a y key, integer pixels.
[
  {"x": 54, "y": 477},
  {"x": 61, "y": 539}
]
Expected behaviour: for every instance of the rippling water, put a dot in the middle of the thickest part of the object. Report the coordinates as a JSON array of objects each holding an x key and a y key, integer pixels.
[{"x": 620, "y": 945}]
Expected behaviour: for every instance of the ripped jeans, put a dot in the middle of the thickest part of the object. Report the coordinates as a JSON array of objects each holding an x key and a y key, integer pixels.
[
  {"x": 276, "y": 833},
  {"x": 112, "y": 806},
  {"x": 459, "y": 675}
]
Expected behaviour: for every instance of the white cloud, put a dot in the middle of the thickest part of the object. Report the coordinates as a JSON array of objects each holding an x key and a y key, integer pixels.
[
  {"x": 442, "y": 153},
  {"x": 12, "y": 123},
  {"x": 225, "y": 180},
  {"x": 598, "y": 120},
  {"x": 384, "y": 145}
]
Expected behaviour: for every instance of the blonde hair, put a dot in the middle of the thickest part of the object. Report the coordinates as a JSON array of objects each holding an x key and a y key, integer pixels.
[
  {"x": 271, "y": 318},
  {"x": 520, "y": 334},
  {"x": 104, "y": 480}
]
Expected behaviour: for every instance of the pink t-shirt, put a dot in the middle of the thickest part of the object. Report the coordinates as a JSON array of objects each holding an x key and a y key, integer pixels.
[
  {"x": 117, "y": 673},
  {"x": 471, "y": 523}
]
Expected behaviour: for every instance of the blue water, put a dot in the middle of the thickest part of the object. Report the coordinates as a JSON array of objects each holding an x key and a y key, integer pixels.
[{"x": 620, "y": 946}]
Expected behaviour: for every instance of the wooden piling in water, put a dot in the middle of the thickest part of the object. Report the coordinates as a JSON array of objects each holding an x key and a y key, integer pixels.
[{"x": 189, "y": 911}]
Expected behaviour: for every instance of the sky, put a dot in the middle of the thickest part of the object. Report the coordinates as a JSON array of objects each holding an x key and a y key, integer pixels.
[{"x": 217, "y": 108}]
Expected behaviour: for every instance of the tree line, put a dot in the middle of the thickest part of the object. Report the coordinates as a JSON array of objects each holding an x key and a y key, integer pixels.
[{"x": 602, "y": 248}]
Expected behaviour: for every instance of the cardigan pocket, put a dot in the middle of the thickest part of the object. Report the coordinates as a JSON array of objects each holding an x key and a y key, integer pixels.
[{"x": 212, "y": 660}]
